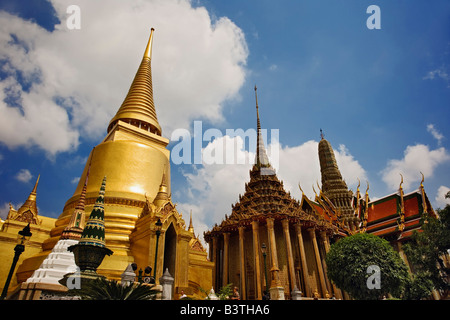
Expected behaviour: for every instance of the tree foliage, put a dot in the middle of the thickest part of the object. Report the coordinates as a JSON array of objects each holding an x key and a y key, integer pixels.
[
  {"x": 349, "y": 259},
  {"x": 104, "y": 289},
  {"x": 224, "y": 293},
  {"x": 427, "y": 249}
]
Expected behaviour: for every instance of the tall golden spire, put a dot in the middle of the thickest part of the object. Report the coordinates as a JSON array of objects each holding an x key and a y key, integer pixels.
[{"x": 138, "y": 108}]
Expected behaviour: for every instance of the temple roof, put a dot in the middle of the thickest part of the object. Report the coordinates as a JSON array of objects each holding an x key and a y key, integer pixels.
[
  {"x": 265, "y": 196},
  {"x": 28, "y": 212},
  {"x": 392, "y": 216}
]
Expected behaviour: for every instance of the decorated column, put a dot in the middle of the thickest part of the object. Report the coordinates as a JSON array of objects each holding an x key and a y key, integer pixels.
[
  {"x": 256, "y": 257},
  {"x": 276, "y": 290},
  {"x": 226, "y": 243},
  {"x": 242, "y": 262},
  {"x": 285, "y": 223},
  {"x": 312, "y": 233},
  {"x": 307, "y": 288}
]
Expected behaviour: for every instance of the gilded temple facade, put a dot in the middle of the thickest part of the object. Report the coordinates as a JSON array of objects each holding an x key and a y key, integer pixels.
[
  {"x": 134, "y": 158},
  {"x": 295, "y": 236},
  {"x": 270, "y": 242}
]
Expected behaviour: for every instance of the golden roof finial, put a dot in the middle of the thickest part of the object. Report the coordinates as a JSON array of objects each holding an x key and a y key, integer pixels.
[
  {"x": 36, "y": 184},
  {"x": 148, "y": 50},
  {"x": 318, "y": 187},
  {"x": 314, "y": 190},
  {"x": 191, "y": 225},
  {"x": 163, "y": 195},
  {"x": 300, "y": 188}
]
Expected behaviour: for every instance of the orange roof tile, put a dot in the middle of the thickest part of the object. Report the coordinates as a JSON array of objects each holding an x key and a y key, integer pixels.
[{"x": 383, "y": 208}]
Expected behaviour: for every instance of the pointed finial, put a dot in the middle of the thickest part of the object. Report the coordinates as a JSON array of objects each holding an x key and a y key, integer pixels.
[
  {"x": 148, "y": 50},
  {"x": 321, "y": 134},
  {"x": 36, "y": 184},
  {"x": 314, "y": 190},
  {"x": 423, "y": 179},
  {"x": 401, "y": 182},
  {"x": 318, "y": 187},
  {"x": 257, "y": 110},
  {"x": 191, "y": 225},
  {"x": 300, "y": 188},
  {"x": 163, "y": 179}
]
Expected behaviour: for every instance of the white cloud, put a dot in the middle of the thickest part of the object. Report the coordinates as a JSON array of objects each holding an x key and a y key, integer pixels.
[
  {"x": 441, "y": 73},
  {"x": 214, "y": 188},
  {"x": 435, "y": 133},
  {"x": 75, "y": 180},
  {"x": 4, "y": 209},
  {"x": 417, "y": 158},
  {"x": 73, "y": 81},
  {"x": 24, "y": 175},
  {"x": 440, "y": 200}
]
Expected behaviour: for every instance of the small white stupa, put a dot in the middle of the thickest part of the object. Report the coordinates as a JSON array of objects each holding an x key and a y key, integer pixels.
[{"x": 61, "y": 261}]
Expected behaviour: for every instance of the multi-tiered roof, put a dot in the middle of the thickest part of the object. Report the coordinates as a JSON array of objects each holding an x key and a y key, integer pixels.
[{"x": 266, "y": 197}]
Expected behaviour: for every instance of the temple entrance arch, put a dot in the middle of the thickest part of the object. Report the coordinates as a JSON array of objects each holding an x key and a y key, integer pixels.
[{"x": 170, "y": 250}]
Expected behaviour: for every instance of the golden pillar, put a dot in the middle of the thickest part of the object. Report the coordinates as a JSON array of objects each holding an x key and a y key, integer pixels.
[
  {"x": 242, "y": 262},
  {"x": 326, "y": 243},
  {"x": 216, "y": 264},
  {"x": 256, "y": 257},
  {"x": 331, "y": 286},
  {"x": 308, "y": 291},
  {"x": 312, "y": 233},
  {"x": 285, "y": 223},
  {"x": 276, "y": 290},
  {"x": 226, "y": 242}
]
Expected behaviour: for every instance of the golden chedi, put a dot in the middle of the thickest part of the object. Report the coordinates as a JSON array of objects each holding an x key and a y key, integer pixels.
[{"x": 134, "y": 158}]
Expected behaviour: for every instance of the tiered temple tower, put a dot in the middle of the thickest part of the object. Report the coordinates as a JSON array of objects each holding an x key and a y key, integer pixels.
[
  {"x": 295, "y": 235},
  {"x": 334, "y": 187}
]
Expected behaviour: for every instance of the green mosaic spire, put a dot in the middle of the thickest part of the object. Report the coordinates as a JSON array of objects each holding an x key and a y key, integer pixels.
[{"x": 94, "y": 231}]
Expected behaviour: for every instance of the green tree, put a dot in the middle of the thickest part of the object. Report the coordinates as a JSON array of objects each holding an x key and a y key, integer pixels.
[
  {"x": 224, "y": 293},
  {"x": 103, "y": 289},
  {"x": 428, "y": 248},
  {"x": 348, "y": 263}
]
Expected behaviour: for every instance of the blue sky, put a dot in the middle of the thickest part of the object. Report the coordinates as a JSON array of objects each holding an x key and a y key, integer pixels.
[{"x": 381, "y": 96}]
